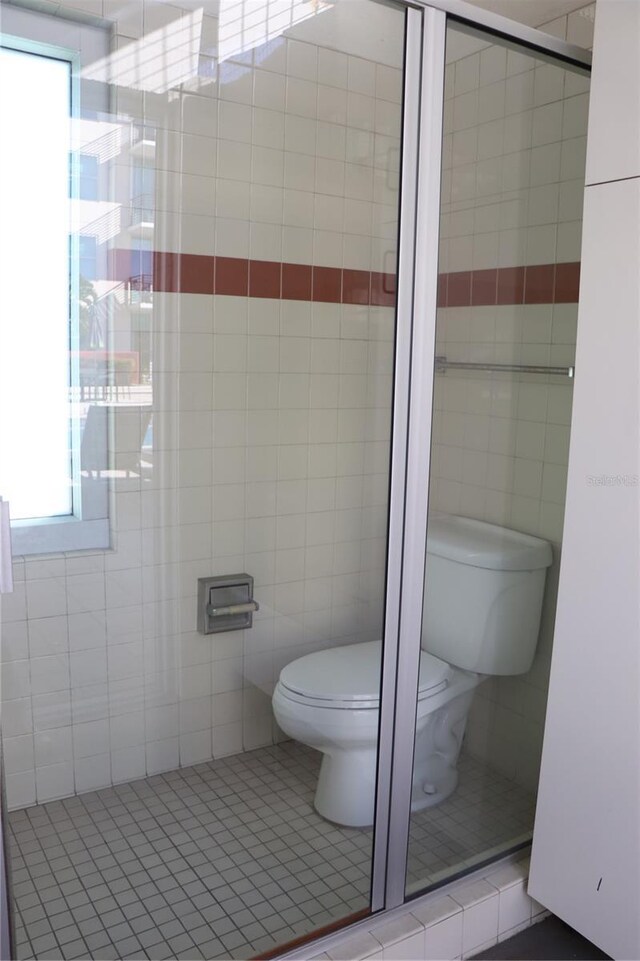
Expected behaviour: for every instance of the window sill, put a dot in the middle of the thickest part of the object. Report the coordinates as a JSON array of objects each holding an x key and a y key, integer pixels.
[{"x": 55, "y": 535}]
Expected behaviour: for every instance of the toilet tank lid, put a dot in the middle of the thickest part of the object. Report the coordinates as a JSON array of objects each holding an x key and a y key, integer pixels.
[{"x": 479, "y": 544}]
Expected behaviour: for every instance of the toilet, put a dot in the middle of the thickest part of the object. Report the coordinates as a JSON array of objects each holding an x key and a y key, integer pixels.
[{"x": 484, "y": 587}]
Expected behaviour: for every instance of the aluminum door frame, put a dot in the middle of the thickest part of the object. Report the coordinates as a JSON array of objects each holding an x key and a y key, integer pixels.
[
  {"x": 7, "y": 940},
  {"x": 411, "y": 449}
]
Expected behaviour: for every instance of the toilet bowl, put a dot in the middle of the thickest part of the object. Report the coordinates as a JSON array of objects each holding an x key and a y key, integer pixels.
[
  {"x": 484, "y": 587},
  {"x": 330, "y": 701}
]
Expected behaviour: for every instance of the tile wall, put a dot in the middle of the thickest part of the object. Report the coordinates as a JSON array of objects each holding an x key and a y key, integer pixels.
[
  {"x": 271, "y": 412},
  {"x": 510, "y": 245}
]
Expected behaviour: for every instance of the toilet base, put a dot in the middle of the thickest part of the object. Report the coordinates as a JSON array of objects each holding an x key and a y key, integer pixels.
[
  {"x": 438, "y": 743},
  {"x": 428, "y": 795},
  {"x": 354, "y": 806},
  {"x": 346, "y": 790}
]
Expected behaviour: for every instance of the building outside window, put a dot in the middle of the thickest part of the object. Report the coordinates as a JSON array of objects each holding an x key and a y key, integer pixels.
[{"x": 46, "y": 290}]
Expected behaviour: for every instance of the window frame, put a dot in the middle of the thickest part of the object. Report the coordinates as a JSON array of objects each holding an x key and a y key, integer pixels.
[{"x": 87, "y": 526}]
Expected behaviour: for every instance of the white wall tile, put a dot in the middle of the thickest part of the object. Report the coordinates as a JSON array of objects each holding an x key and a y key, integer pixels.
[
  {"x": 18, "y": 753},
  {"x": 227, "y": 739},
  {"x": 92, "y": 772},
  {"x": 302, "y": 60},
  {"x": 16, "y": 680},
  {"x": 162, "y": 755},
  {"x": 14, "y": 605},
  {"x": 53, "y": 746},
  {"x": 46, "y": 597},
  {"x": 54, "y": 781},
  {"x": 128, "y": 763},
  {"x": 15, "y": 644},
  {"x": 48, "y": 635},
  {"x": 21, "y": 789},
  {"x": 49, "y": 674},
  {"x": 195, "y": 747},
  {"x": 85, "y": 592}
]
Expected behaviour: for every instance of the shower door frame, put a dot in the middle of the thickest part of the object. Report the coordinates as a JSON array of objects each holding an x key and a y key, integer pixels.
[{"x": 416, "y": 312}]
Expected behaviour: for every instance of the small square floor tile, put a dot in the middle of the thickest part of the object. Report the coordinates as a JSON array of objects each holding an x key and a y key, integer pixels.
[{"x": 233, "y": 851}]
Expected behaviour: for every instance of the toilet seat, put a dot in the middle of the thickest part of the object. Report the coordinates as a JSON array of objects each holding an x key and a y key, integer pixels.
[{"x": 348, "y": 677}]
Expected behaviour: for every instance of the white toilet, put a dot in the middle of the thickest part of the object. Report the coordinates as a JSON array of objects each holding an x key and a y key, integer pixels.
[{"x": 483, "y": 600}]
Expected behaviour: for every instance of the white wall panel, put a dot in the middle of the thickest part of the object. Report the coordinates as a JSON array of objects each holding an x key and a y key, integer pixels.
[
  {"x": 586, "y": 852},
  {"x": 614, "y": 147}
]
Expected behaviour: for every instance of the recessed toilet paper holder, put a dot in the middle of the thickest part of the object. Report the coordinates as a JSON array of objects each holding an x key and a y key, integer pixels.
[{"x": 225, "y": 603}]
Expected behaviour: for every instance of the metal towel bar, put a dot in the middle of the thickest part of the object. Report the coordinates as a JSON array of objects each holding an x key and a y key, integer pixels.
[{"x": 443, "y": 364}]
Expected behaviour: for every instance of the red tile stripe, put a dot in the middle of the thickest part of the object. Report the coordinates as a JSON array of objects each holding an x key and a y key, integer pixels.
[
  {"x": 538, "y": 284},
  {"x": 235, "y": 276}
]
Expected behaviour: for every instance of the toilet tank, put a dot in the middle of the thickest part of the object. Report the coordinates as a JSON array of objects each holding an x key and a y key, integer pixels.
[{"x": 483, "y": 594}]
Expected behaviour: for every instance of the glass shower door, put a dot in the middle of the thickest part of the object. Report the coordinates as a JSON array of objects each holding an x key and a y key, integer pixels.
[
  {"x": 510, "y": 225},
  {"x": 235, "y": 193}
]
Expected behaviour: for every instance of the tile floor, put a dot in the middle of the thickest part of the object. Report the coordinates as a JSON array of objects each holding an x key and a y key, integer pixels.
[{"x": 223, "y": 860}]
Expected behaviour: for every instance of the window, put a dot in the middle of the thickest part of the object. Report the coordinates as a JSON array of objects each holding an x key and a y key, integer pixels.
[
  {"x": 88, "y": 257},
  {"x": 34, "y": 294},
  {"x": 88, "y": 177},
  {"x": 53, "y": 506}
]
